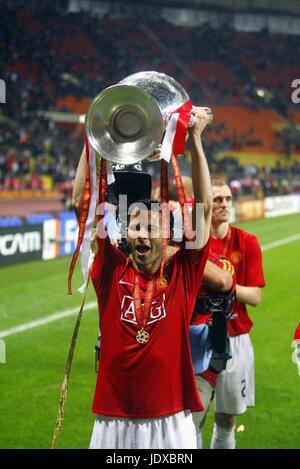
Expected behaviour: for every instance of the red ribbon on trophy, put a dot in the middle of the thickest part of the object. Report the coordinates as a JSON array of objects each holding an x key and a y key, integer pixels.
[{"x": 175, "y": 136}]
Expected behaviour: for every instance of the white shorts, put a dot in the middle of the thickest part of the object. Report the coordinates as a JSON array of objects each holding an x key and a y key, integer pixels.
[
  {"x": 175, "y": 431},
  {"x": 235, "y": 385}
]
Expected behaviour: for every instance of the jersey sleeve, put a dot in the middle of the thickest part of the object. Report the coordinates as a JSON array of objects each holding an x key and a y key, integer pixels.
[{"x": 254, "y": 268}]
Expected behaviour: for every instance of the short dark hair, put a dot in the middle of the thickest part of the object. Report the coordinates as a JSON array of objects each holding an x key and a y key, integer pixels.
[{"x": 150, "y": 204}]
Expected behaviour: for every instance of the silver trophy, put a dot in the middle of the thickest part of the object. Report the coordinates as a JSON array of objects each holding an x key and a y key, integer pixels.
[{"x": 125, "y": 123}]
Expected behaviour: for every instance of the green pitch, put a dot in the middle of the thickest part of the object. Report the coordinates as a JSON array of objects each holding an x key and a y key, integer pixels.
[{"x": 30, "y": 380}]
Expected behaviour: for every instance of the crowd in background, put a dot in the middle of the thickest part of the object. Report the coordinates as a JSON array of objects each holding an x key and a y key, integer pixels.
[{"x": 50, "y": 56}]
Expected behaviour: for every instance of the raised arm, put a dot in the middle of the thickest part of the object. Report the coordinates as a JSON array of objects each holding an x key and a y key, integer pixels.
[
  {"x": 200, "y": 172},
  {"x": 79, "y": 182}
]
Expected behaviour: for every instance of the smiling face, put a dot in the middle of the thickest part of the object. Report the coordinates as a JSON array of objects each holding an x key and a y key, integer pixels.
[
  {"x": 222, "y": 203},
  {"x": 145, "y": 239}
]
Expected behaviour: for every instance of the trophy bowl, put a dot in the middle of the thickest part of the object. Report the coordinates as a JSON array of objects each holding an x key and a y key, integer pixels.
[{"x": 125, "y": 123}]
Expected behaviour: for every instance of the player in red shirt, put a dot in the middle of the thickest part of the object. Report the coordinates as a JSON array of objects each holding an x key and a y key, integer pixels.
[
  {"x": 146, "y": 389},
  {"x": 235, "y": 385}
]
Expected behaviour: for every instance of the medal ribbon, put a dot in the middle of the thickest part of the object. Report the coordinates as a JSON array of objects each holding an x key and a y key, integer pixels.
[{"x": 143, "y": 313}]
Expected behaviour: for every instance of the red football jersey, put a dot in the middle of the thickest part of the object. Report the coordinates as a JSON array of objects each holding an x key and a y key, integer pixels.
[
  {"x": 157, "y": 378},
  {"x": 243, "y": 250}
]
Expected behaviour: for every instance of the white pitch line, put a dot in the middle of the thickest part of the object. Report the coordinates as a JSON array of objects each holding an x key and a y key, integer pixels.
[
  {"x": 46, "y": 320},
  {"x": 93, "y": 304},
  {"x": 280, "y": 242}
]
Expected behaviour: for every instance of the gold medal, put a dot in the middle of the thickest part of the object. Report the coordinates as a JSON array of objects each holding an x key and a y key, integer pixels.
[
  {"x": 162, "y": 282},
  {"x": 142, "y": 336}
]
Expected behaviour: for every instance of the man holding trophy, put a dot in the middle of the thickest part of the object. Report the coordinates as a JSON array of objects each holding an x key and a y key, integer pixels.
[{"x": 146, "y": 390}]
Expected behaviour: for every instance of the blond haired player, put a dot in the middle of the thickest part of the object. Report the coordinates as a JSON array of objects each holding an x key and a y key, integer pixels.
[{"x": 234, "y": 389}]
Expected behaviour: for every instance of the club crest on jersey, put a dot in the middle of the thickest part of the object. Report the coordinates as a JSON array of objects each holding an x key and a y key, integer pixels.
[
  {"x": 157, "y": 312},
  {"x": 236, "y": 257}
]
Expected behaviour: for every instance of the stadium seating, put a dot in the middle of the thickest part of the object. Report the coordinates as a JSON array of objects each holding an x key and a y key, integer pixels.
[{"x": 68, "y": 66}]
